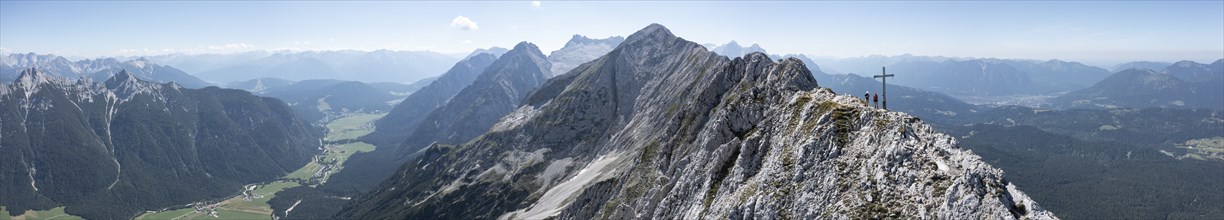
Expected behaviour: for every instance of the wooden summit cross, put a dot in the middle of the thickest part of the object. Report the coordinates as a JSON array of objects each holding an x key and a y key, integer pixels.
[{"x": 884, "y": 85}]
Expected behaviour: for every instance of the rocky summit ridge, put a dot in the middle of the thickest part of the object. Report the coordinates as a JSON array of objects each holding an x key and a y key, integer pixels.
[{"x": 662, "y": 128}]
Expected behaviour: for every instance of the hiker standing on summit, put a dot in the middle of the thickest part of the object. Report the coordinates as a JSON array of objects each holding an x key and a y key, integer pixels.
[{"x": 875, "y": 99}]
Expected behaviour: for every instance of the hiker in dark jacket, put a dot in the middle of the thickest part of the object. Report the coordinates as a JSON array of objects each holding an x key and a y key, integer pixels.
[{"x": 875, "y": 99}]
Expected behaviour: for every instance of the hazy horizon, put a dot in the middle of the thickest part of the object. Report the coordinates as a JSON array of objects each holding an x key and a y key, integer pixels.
[{"x": 1094, "y": 33}]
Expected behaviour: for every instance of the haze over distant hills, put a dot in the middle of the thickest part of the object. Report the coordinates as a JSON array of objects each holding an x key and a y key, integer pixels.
[
  {"x": 1186, "y": 84},
  {"x": 968, "y": 78},
  {"x": 365, "y": 66}
]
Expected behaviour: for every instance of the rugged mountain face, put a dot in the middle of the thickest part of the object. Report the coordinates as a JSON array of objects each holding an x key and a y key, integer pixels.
[
  {"x": 97, "y": 69},
  {"x": 111, "y": 150},
  {"x": 661, "y": 128},
  {"x": 495, "y": 93},
  {"x": 733, "y": 49},
  {"x": 579, "y": 50},
  {"x": 403, "y": 119},
  {"x": 1143, "y": 88}
]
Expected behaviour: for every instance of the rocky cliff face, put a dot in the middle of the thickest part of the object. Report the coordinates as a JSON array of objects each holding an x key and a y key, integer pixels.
[
  {"x": 403, "y": 119},
  {"x": 113, "y": 149},
  {"x": 495, "y": 93},
  {"x": 661, "y": 128}
]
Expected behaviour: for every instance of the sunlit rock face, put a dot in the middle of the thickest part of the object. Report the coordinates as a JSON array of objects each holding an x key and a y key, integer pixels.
[{"x": 662, "y": 128}]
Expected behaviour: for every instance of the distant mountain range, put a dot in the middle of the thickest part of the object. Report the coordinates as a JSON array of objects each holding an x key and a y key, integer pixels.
[
  {"x": 733, "y": 49},
  {"x": 973, "y": 77},
  {"x": 114, "y": 149},
  {"x": 96, "y": 69},
  {"x": 321, "y": 100},
  {"x": 1140, "y": 65},
  {"x": 365, "y": 66},
  {"x": 1186, "y": 84},
  {"x": 579, "y": 50},
  {"x": 924, "y": 104}
]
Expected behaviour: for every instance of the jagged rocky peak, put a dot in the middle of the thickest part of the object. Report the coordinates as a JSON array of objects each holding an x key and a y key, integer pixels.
[
  {"x": 525, "y": 47},
  {"x": 660, "y": 128},
  {"x": 652, "y": 31},
  {"x": 32, "y": 79},
  {"x": 126, "y": 85},
  {"x": 529, "y": 50},
  {"x": 29, "y": 80},
  {"x": 31, "y": 76},
  {"x": 122, "y": 77}
]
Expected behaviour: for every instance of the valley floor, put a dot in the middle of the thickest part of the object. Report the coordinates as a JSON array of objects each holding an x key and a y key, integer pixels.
[
  {"x": 340, "y": 143},
  {"x": 55, "y": 213}
]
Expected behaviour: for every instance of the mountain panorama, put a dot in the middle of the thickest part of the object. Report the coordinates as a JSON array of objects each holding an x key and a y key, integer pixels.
[{"x": 647, "y": 125}]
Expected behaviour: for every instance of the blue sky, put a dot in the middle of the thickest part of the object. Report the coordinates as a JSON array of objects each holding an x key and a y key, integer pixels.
[{"x": 1092, "y": 32}]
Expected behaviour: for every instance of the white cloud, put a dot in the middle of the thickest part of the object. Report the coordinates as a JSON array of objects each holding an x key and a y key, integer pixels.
[
  {"x": 464, "y": 23},
  {"x": 535, "y": 4},
  {"x": 466, "y": 42},
  {"x": 299, "y": 43}
]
